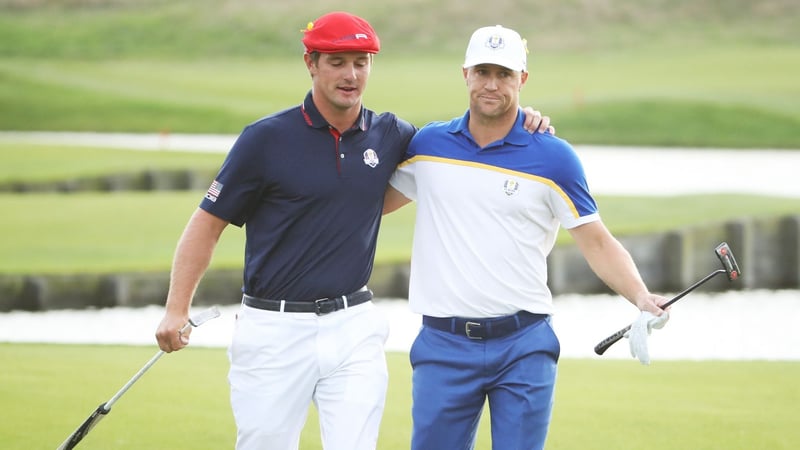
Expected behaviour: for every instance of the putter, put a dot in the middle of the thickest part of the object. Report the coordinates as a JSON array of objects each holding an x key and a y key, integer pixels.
[
  {"x": 730, "y": 268},
  {"x": 102, "y": 410}
]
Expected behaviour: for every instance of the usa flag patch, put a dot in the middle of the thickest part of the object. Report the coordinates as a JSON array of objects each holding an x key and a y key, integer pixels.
[{"x": 214, "y": 191}]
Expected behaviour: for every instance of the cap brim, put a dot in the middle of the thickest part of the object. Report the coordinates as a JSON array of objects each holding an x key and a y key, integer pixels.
[{"x": 496, "y": 61}]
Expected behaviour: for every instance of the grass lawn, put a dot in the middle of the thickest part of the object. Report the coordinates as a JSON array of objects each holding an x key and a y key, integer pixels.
[
  {"x": 716, "y": 96},
  {"x": 182, "y": 402},
  {"x": 105, "y": 233},
  {"x": 679, "y": 72}
]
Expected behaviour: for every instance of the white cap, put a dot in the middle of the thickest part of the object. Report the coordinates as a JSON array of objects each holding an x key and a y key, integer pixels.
[{"x": 497, "y": 45}]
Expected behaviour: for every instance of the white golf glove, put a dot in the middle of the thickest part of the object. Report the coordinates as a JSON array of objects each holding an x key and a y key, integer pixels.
[{"x": 640, "y": 329}]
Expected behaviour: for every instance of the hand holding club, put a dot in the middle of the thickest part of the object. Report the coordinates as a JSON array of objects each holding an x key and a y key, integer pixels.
[{"x": 730, "y": 268}]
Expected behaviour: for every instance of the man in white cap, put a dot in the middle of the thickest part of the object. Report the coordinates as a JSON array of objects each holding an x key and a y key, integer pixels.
[{"x": 490, "y": 199}]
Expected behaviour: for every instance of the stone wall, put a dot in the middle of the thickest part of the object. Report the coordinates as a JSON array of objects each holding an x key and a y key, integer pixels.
[{"x": 766, "y": 249}]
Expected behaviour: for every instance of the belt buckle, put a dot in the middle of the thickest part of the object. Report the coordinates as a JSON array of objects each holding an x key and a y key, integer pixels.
[
  {"x": 468, "y": 326},
  {"x": 324, "y": 306}
]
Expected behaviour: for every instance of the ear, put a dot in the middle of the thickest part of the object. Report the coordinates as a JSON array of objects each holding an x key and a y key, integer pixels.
[
  {"x": 523, "y": 79},
  {"x": 465, "y": 72},
  {"x": 309, "y": 63}
]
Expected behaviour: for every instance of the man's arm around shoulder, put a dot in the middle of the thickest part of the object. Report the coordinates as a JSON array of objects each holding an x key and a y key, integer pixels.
[{"x": 393, "y": 200}]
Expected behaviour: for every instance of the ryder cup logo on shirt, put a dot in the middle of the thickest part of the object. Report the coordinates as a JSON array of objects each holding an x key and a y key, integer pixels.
[
  {"x": 214, "y": 191},
  {"x": 510, "y": 187},
  {"x": 370, "y": 158}
]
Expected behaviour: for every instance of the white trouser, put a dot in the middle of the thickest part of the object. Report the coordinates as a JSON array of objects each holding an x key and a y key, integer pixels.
[{"x": 280, "y": 362}]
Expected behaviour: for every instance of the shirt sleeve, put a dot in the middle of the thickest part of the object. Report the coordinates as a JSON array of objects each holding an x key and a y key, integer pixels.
[
  {"x": 571, "y": 202},
  {"x": 403, "y": 178},
  {"x": 404, "y": 181},
  {"x": 239, "y": 182}
]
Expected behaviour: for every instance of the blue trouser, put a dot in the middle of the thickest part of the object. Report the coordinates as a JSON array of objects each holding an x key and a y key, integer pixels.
[{"x": 453, "y": 375}]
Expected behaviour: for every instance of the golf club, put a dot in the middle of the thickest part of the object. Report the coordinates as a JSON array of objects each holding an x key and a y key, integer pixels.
[
  {"x": 729, "y": 267},
  {"x": 102, "y": 410}
]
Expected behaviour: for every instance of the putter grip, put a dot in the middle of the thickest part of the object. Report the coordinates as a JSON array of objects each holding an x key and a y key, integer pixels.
[{"x": 611, "y": 340}]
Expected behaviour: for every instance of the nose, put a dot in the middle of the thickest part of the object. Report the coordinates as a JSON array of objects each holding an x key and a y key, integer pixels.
[{"x": 351, "y": 72}]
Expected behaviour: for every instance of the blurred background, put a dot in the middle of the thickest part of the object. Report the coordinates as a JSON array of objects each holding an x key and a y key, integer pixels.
[
  {"x": 644, "y": 72},
  {"x": 669, "y": 76}
]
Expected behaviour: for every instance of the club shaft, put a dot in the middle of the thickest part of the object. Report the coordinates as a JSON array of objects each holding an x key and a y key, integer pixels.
[
  {"x": 139, "y": 374},
  {"x": 692, "y": 287},
  {"x": 133, "y": 379}
]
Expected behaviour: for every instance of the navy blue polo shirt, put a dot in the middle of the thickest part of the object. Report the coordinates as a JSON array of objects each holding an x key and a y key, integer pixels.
[{"x": 309, "y": 198}]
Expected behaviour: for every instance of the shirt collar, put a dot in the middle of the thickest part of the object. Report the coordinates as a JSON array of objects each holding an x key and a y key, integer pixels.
[
  {"x": 517, "y": 136},
  {"x": 314, "y": 119}
]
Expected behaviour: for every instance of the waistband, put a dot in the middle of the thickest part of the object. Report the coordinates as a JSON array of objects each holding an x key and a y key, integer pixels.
[
  {"x": 484, "y": 328},
  {"x": 320, "y": 306}
]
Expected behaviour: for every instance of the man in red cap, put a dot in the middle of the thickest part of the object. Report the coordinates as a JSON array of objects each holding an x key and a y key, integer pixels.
[{"x": 308, "y": 182}]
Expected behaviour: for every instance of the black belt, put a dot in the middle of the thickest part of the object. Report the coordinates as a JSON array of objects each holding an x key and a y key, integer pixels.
[
  {"x": 320, "y": 307},
  {"x": 485, "y": 328}
]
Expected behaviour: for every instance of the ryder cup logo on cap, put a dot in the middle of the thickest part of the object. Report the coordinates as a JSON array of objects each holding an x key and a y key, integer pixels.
[
  {"x": 340, "y": 32},
  {"x": 497, "y": 45}
]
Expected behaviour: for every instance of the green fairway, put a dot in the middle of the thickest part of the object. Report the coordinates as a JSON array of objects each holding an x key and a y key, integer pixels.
[
  {"x": 182, "y": 402},
  {"x": 52, "y": 163},
  {"x": 138, "y": 231},
  {"x": 705, "y": 95},
  {"x": 682, "y": 72},
  {"x": 102, "y": 232}
]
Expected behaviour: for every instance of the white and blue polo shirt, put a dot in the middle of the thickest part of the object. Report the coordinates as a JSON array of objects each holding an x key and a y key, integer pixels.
[
  {"x": 488, "y": 217},
  {"x": 309, "y": 198}
]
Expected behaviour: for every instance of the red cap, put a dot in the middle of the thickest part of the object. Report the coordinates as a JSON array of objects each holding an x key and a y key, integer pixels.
[{"x": 340, "y": 32}]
